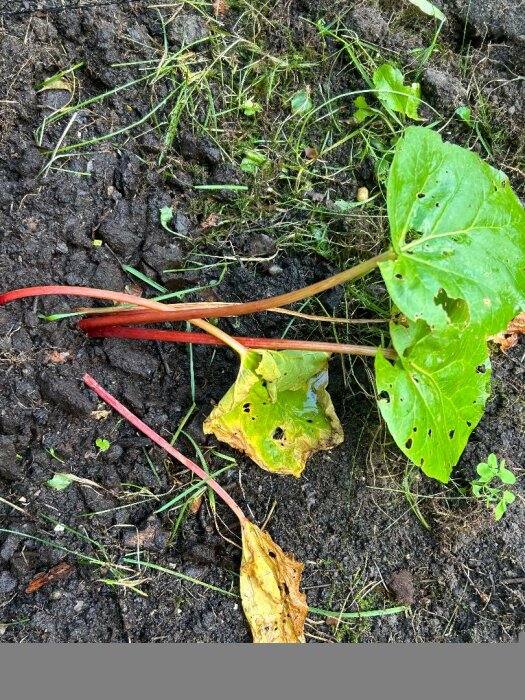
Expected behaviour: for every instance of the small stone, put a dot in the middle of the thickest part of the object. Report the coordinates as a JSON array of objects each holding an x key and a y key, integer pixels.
[
  {"x": 362, "y": 194},
  {"x": 261, "y": 245},
  {"x": 402, "y": 587},
  {"x": 275, "y": 270},
  {"x": 7, "y": 582}
]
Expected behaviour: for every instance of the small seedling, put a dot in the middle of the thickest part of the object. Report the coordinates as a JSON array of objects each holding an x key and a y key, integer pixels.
[
  {"x": 250, "y": 108},
  {"x": 394, "y": 94},
  {"x": 252, "y": 161},
  {"x": 102, "y": 444},
  {"x": 301, "y": 102},
  {"x": 52, "y": 453},
  {"x": 488, "y": 488}
]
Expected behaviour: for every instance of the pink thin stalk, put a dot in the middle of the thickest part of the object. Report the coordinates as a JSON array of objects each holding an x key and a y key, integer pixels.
[{"x": 156, "y": 438}]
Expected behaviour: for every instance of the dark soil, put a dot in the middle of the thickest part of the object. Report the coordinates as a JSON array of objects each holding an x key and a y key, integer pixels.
[{"x": 347, "y": 517}]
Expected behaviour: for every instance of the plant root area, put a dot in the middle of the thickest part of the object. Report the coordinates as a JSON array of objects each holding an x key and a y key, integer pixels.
[{"x": 372, "y": 532}]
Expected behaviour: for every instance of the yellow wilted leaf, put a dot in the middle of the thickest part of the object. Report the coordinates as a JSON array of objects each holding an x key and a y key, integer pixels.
[
  {"x": 278, "y": 411},
  {"x": 272, "y": 602},
  {"x": 58, "y": 84}
]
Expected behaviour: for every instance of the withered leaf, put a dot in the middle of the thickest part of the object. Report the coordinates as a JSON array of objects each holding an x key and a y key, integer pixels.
[
  {"x": 272, "y": 602},
  {"x": 509, "y": 337},
  {"x": 58, "y": 357},
  {"x": 209, "y": 222},
  {"x": 220, "y": 7},
  {"x": 45, "y": 577}
]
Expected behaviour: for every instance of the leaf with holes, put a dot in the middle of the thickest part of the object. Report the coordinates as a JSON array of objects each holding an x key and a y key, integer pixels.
[
  {"x": 433, "y": 396},
  {"x": 272, "y": 602},
  {"x": 458, "y": 232},
  {"x": 278, "y": 411}
]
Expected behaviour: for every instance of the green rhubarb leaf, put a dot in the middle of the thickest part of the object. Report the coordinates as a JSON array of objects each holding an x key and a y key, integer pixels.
[
  {"x": 458, "y": 231},
  {"x": 433, "y": 396},
  {"x": 278, "y": 410},
  {"x": 393, "y": 94}
]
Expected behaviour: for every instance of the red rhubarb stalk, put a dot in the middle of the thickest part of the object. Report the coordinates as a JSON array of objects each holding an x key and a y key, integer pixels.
[{"x": 257, "y": 343}]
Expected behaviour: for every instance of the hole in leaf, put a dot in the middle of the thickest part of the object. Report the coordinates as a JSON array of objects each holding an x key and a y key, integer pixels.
[
  {"x": 408, "y": 443},
  {"x": 420, "y": 195},
  {"x": 272, "y": 554},
  {"x": 469, "y": 423},
  {"x": 384, "y": 396},
  {"x": 436, "y": 204},
  {"x": 278, "y": 434},
  {"x": 246, "y": 408},
  {"x": 451, "y": 434},
  {"x": 398, "y": 276},
  {"x": 429, "y": 432},
  {"x": 481, "y": 369},
  {"x": 422, "y": 462},
  {"x": 415, "y": 428}
]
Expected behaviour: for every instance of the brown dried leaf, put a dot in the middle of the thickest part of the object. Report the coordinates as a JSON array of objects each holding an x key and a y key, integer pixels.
[
  {"x": 209, "y": 222},
  {"x": 196, "y": 504},
  {"x": 220, "y": 7},
  {"x": 273, "y": 604},
  {"x": 45, "y": 577},
  {"x": 58, "y": 357},
  {"x": 508, "y": 338}
]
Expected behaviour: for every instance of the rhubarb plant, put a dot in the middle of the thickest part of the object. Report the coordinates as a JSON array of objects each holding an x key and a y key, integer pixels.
[{"x": 455, "y": 272}]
